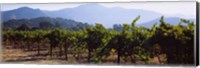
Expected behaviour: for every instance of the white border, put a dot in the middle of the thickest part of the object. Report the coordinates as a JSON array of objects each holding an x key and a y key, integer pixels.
[
  {"x": 75, "y": 66},
  {"x": 61, "y": 1}
]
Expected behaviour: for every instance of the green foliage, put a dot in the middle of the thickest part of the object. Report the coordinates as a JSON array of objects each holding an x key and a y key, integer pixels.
[{"x": 177, "y": 42}]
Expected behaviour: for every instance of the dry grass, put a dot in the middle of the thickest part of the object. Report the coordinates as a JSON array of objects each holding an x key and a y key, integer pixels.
[
  {"x": 16, "y": 55},
  {"x": 11, "y": 55}
]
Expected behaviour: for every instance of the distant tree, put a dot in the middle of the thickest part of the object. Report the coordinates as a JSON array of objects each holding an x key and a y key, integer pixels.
[
  {"x": 117, "y": 27},
  {"x": 45, "y": 25},
  {"x": 35, "y": 28},
  {"x": 57, "y": 25},
  {"x": 23, "y": 27}
]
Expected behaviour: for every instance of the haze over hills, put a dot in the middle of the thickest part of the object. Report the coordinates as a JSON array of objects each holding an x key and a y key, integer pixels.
[
  {"x": 94, "y": 13},
  {"x": 90, "y": 13},
  {"x": 23, "y": 12},
  {"x": 40, "y": 22},
  {"x": 170, "y": 20}
]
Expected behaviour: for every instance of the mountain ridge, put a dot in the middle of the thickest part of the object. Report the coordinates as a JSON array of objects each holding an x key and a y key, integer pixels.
[{"x": 89, "y": 13}]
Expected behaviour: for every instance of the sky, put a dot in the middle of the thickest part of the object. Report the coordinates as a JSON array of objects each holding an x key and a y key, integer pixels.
[{"x": 183, "y": 9}]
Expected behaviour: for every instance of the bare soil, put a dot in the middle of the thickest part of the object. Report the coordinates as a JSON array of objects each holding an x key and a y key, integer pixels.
[{"x": 16, "y": 55}]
